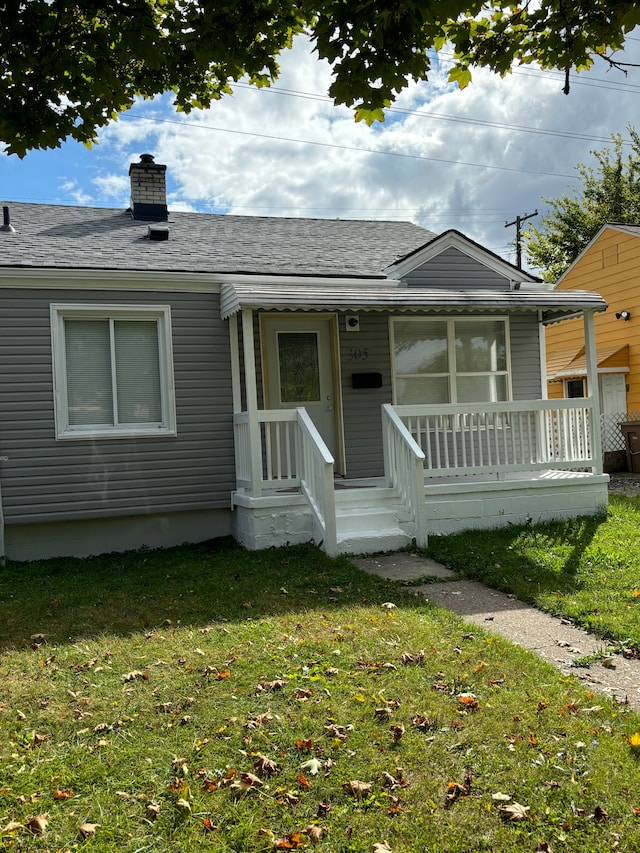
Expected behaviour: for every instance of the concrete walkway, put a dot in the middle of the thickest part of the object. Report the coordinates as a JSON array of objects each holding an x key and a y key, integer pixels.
[{"x": 556, "y": 640}]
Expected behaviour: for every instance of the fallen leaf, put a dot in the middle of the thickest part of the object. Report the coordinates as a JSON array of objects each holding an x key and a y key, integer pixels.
[
  {"x": 388, "y": 605},
  {"x": 136, "y": 673},
  {"x": 313, "y": 766},
  {"x": 304, "y": 745},
  {"x": 38, "y": 824},
  {"x": 209, "y": 825},
  {"x": 600, "y": 815},
  {"x": 468, "y": 701},
  {"x": 634, "y": 740},
  {"x": 304, "y": 783},
  {"x": 246, "y": 782},
  {"x": 62, "y": 794},
  {"x": 264, "y": 765},
  {"x": 357, "y": 788},
  {"x": 499, "y": 797},
  {"x": 382, "y": 847},
  {"x": 382, "y": 713},
  {"x": 397, "y": 732},
  {"x": 313, "y": 832},
  {"x": 291, "y": 842},
  {"x": 11, "y": 827},
  {"x": 153, "y": 810},
  {"x": 514, "y": 812},
  {"x": 183, "y": 805},
  {"x": 88, "y": 829}
]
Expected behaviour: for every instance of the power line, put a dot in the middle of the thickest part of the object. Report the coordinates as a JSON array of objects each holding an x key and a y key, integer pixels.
[{"x": 350, "y": 147}]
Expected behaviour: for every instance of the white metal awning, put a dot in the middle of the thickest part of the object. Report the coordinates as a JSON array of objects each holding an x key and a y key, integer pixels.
[{"x": 554, "y": 305}]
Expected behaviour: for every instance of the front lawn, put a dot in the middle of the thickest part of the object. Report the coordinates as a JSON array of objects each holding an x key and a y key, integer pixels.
[
  {"x": 587, "y": 570},
  {"x": 209, "y": 698}
]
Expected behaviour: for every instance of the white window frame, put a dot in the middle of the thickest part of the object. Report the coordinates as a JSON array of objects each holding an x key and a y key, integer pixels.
[
  {"x": 159, "y": 313},
  {"x": 453, "y": 374}
]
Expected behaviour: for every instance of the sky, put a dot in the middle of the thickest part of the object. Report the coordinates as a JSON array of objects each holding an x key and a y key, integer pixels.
[{"x": 470, "y": 159}]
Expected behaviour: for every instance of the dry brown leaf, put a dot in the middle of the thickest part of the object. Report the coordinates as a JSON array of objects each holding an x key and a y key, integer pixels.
[
  {"x": 514, "y": 811},
  {"x": 357, "y": 788},
  {"x": 209, "y": 825},
  {"x": 38, "y": 824},
  {"x": 11, "y": 827},
  {"x": 314, "y": 832},
  {"x": 153, "y": 810},
  {"x": 136, "y": 673},
  {"x": 383, "y": 713},
  {"x": 59, "y": 794},
  {"x": 246, "y": 782},
  {"x": 265, "y": 765},
  {"x": 88, "y": 829},
  {"x": 397, "y": 732}
]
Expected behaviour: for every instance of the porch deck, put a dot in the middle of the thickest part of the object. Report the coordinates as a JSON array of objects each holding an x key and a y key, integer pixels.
[{"x": 451, "y": 504}]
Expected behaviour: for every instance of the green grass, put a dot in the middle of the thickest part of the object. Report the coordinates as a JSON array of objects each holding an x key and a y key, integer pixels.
[
  {"x": 587, "y": 570},
  {"x": 166, "y": 677}
]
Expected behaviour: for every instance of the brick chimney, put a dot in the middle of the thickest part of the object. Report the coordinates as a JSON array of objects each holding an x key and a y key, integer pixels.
[{"x": 148, "y": 189}]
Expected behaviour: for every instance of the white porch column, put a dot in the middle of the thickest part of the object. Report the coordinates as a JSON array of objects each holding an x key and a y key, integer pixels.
[
  {"x": 594, "y": 391},
  {"x": 251, "y": 392}
]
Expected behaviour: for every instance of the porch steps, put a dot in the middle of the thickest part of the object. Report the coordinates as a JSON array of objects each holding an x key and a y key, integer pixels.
[{"x": 368, "y": 521}]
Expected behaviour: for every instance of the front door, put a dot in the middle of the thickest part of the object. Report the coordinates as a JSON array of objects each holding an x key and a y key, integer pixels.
[
  {"x": 299, "y": 370},
  {"x": 613, "y": 393}
]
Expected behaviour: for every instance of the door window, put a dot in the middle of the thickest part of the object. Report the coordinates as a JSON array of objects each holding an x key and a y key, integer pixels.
[{"x": 299, "y": 367}]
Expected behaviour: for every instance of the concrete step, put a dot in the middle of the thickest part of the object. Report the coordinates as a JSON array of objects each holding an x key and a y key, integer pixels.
[
  {"x": 373, "y": 541},
  {"x": 352, "y": 519}
]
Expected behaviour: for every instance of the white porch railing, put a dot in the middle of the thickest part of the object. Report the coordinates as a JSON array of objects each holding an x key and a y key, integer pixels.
[
  {"x": 291, "y": 454},
  {"x": 404, "y": 469},
  {"x": 498, "y": 438}
]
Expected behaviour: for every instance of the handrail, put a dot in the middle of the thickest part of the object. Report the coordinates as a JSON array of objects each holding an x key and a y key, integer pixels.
[
  {"x": 503, "y": 437},
  {"x": 316, "y": 480},
  {"x": 404, "y": 469},
  {"x": 293, "y": 455}
]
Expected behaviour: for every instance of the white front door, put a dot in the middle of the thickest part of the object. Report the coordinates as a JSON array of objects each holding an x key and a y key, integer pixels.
[
  {"x": 299, "y": 369},
  {"x": 613, "y": 393}
]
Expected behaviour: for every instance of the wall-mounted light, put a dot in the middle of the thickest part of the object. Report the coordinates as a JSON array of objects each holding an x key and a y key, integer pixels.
[{"x": 623, "y": 315}]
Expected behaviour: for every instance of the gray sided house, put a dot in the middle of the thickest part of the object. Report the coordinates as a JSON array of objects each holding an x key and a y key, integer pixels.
[{"x": 169, "y": 377}]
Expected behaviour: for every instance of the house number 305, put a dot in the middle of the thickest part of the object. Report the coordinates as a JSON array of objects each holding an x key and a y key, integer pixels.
[{"x": 357, "y": 354}]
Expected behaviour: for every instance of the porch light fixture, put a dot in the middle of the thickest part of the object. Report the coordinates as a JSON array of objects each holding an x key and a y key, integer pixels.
[{"x": 623, "y": 315}]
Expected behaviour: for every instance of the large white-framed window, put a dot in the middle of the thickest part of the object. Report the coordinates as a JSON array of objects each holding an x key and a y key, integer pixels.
[
  {"x": 450, "y": 360},
  {"x": 112, "y": 371}
]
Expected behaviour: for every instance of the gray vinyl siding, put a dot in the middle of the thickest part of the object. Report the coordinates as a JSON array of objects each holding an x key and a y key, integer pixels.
[
  {"x": 46, "y": 479},
  {"x": 525, "y": 357},
  {"x": 365, "y": 351},
  {"x": 453, "y": 269}
]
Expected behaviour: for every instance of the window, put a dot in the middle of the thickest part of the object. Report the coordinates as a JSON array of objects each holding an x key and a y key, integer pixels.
[
  {"x": 451, "y": 361},
  {"x": 113, "y": 371},
  {"x": 574, "y": 388}
]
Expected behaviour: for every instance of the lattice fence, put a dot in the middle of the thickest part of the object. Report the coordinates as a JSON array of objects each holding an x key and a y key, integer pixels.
[{"x": 612, "y": 437}]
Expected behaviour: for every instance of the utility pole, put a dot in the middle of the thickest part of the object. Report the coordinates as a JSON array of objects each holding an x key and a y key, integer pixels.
[{"x": 518, "y": 222}]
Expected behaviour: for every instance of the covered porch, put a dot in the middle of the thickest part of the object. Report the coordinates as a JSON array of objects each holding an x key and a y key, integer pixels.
[{"x": 442, "y": 467}]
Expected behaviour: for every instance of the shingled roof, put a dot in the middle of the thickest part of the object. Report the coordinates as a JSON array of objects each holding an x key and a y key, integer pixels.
[{"x": 66, "y": 237}]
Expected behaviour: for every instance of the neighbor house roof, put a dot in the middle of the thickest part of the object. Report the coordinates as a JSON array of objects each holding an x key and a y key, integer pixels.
[
  {"x": 65, "y": 237},
  {"x": 564, "y": 364}
]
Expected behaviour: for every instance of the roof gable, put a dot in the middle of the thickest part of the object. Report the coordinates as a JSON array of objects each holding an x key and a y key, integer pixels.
[{"x": 455, "y": 241}]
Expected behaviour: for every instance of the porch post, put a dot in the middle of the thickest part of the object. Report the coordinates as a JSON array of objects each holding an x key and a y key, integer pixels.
[
  {"x": 594, "y": 392},
  {"x": 251, "y": 391}
]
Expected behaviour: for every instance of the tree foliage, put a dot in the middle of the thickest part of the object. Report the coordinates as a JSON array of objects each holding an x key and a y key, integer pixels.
[
  {"x": 609, "y": 193},
  {"x": 67, "y": 67}
]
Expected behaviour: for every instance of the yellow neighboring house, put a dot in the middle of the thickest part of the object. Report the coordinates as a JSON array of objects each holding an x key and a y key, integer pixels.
[{"x": 610, "y": 266}]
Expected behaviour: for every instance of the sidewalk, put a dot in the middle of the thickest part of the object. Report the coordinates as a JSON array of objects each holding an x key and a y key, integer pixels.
[{"x": 556, "y": 640}]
